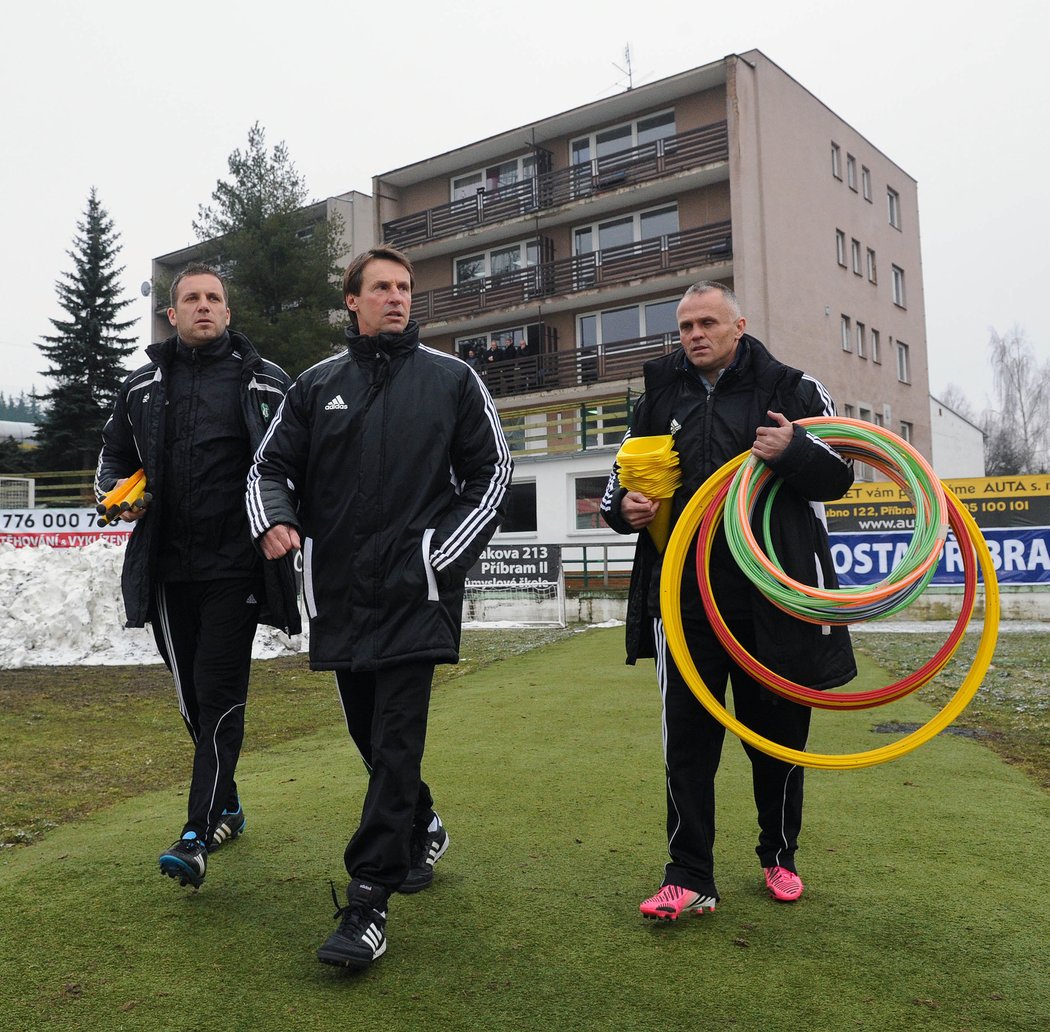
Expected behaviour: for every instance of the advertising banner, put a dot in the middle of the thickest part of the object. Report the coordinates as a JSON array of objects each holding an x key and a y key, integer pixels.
[
  {"x": 57, "y": 528},
  {"x": 870, "y": 528},
  {"x": 516, "y": 566}
]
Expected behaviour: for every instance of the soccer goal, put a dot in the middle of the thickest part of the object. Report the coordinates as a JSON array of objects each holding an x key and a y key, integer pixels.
[
  {"x": 520, "y": 585},
  {"x": 17, "y": 492}
]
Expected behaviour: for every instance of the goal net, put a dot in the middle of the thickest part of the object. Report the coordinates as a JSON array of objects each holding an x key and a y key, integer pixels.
[
  {"x": 17, "y": 492},
  {"x": 523, "y": 585}
]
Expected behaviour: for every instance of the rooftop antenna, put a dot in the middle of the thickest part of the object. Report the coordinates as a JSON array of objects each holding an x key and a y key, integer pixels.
[{"x": 626, "y": 71}]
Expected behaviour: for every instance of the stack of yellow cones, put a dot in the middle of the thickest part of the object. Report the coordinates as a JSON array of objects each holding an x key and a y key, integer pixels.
[{"x": 649, "y": 465}]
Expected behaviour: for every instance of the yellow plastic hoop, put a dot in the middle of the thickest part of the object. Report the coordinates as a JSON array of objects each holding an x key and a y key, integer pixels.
[{"x": 675, "y": 558}]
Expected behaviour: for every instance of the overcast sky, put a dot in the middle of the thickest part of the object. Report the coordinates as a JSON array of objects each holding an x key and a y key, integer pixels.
[{"x": 145, "y": 102}]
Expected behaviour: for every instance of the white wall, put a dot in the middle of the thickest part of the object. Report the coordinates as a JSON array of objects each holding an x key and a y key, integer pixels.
[
  {"x": 958, "y": 445},
  {"x": 555, "y": 478}
]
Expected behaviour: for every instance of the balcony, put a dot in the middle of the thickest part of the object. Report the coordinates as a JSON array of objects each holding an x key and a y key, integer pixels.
[
  {"x": 553, "y": 370},
  {"x": 691, "y": 149},
  {"x": 615, "y": 265}
]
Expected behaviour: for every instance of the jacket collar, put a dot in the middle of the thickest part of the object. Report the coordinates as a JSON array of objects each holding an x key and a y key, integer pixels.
[
  {"x": 365, "y": 349},
  {"x": 214, "y": 350},
  {"x": 163, "y": 352}
]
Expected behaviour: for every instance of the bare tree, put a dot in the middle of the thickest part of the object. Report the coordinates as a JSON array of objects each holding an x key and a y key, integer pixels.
[
  {"x": 1019, "y": 428},
  {"x": 954, "y": 398}
]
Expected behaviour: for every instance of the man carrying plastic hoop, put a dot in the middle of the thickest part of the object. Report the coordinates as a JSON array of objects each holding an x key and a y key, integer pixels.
[{"x": 722, "y": 394}]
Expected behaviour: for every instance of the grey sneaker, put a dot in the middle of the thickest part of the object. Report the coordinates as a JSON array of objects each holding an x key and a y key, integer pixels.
[
  {"x": 426, "y": 850},
  {"x": 186, "y": 860},
  {"x": 360, "y": 938}
]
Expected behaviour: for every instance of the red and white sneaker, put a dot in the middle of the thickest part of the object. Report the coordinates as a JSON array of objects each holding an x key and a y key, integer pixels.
[
  {"x": 783, "y": 885},
  {"x": 672, "y": 901}
]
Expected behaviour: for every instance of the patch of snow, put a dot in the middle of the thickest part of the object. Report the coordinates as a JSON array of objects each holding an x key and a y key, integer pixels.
[{"x": 64, "y": 608}]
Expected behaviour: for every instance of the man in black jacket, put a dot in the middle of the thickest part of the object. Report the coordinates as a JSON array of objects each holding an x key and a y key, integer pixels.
[
  {"x": 389, "y": 463},
  {"x": 720, "y": 395},
  {"x": 191, "y": 418}
]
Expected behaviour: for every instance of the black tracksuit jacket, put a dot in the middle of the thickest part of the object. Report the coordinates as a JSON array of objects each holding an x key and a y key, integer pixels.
[
  {"x": 709, "y": 429},
  {"x": 391, "y": 462},
  {"x": 195, "y": 529}
]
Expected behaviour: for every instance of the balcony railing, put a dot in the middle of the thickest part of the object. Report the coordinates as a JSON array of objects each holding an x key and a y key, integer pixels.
[
  {"x": 572, "y": 367},
  {"x": 690, "y": 247},
  {"x": 665, "y": 157}
]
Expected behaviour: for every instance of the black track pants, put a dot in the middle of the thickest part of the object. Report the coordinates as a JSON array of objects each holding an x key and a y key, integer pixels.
[
  {"x": 386, "y": 715},
  {"x": 204, "y": 631},
  {"x": 693, "y": 747}
]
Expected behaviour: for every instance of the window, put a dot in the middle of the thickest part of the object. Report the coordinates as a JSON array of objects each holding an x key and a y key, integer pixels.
[
  {"x": 898, "y": 285},
  {"x": 875, "y": 357},
  {"x": 493, "y": 177},
  {"x": 840, "y": 247},
  {"x": 865, "y": 182},
  {"x": 653, "y": 128},
  {"x": 597, "y": 332},
  {"x": 865, "y": 414},
  {"x": 903, "y": 364},
  {"x": 906, "y": 429},
  {"x": 660, "y": 317},
  {"x": 521, "y": 509},
  {"x": 609, "y": 327},
  {"x": 851, "y": 172},
  {"x": 879, "y": 421},
  {"x": 847, "y": 411},
  {"x": 846, "y": 331},
  {"x": 893, "y": 205},
  {"x": 836, "y": 161},
  {"x": 600, "y": 236},
  {"x": 855, "y": 253},
  {"x": 631, "y": 323},
  {"x": 588, "y": 498},
  {"x": 872, "y": 272},
  {"x": 622, "y": 137},
  {"x": 496, "y": 262},
  {"x": 862, "y": 350}
]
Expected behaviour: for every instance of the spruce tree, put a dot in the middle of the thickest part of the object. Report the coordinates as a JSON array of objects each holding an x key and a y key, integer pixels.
[
  {"x": 280, "y": 267},
  {"x": 87, "y": 350}
]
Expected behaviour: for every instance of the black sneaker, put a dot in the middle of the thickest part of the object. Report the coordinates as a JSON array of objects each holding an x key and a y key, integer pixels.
[
  {"x": 229, "y": 827},
  {"x": 426, "y": 849},
  {"x": 359, "y": 940},
  {"x": 186, "y": 860}
]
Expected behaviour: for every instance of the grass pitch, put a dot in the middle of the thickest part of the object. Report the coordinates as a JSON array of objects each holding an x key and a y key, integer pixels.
[{"x": 925, "y": 905}]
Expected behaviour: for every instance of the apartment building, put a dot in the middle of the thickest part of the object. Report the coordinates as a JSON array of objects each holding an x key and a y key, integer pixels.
[{"x": 554, "y": 254}]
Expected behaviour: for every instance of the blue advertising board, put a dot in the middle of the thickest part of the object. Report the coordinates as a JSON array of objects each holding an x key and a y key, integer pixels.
[{"x": 871, "y": 526}]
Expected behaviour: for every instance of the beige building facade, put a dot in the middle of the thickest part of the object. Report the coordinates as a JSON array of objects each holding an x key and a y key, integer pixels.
[{"x": 562, "y": 247}]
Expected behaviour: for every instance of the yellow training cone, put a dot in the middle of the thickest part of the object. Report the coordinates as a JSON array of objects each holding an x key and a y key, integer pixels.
[
  {"x": 660, "y": 528},
  {"x": 649, "y": 465}
]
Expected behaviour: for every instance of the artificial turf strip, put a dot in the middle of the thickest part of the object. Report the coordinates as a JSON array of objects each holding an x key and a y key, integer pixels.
[{"x": 926, "y": 905}]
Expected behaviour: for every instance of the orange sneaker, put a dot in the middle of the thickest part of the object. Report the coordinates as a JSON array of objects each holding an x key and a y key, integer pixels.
[
  {"x": 783, "y": 885},
  {"x": 672, "y": 901}
]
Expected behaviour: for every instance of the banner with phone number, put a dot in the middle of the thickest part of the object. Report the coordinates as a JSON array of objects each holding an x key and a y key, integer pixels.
[
  {"x": 871, "y": 525},
  {"x": 57, "y": 528}
]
